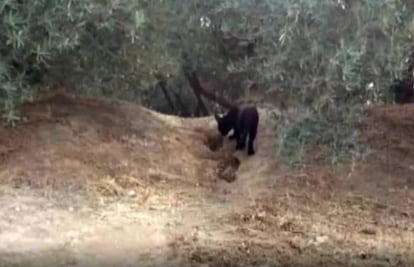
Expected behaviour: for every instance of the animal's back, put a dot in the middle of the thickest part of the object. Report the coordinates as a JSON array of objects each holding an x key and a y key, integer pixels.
[
  {"x": 403, "y": 91},
  {"x": 249, "y": 117}
]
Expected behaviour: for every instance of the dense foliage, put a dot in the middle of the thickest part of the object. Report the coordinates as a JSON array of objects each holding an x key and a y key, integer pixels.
[{"x": 329, "y": 56}]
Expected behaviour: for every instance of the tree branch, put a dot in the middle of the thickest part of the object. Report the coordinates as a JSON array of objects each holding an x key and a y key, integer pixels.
[{"x": 199, "y": 90}]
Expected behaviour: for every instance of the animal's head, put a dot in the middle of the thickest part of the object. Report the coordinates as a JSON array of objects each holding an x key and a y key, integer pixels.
[{"x": 223, "y": 124}]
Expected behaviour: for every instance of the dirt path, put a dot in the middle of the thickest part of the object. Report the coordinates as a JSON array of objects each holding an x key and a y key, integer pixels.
[{"x": 38, "y": 231}]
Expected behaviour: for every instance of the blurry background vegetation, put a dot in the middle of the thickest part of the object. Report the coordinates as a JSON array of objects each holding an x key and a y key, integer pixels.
[{"x": 318, "y": 61}]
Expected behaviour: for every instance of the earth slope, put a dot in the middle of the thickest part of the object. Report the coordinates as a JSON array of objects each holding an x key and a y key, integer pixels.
[{"x": 90, "y": 182}]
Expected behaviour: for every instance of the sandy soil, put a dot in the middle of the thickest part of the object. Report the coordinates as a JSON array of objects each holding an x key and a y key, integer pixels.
[{"x": 88, "y": 182}]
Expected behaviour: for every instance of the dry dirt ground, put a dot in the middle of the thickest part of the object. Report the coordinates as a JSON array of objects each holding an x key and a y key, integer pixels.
[{"x": 88, "y": 182}]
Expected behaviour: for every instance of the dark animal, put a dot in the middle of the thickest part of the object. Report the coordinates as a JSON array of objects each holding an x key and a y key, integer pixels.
[
  {"x": 244, "y": 122},
  {"x": 403, "y": 91}
]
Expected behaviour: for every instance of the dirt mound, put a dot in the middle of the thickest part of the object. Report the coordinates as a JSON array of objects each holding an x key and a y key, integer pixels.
[
  {"x": 388, "y": 170},
  {"x": 66, "y": 141},
  {"x": 117, "y": 148},
  {"x": 112, "y": 146},
  {"x": 389, "y": 131}
]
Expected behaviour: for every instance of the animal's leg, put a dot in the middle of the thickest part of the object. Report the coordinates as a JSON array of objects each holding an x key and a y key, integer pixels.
[
  {"x": 252, "y": 136},
  {"x": 241, "y": 142}
]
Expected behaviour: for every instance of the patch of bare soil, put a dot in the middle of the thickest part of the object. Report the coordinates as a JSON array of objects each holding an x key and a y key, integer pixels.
[
  {"x": 389, "y": 130},
  {"x": 88, "y": 182}
]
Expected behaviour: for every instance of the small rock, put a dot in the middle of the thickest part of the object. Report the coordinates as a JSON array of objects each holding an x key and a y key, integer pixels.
[
  {"x": 320, "y": 239},
  {"x": 261, "y": 215},
  {"x": 131, "y": 193}
]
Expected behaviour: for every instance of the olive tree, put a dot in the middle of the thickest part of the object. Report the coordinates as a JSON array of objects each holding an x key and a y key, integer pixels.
[{"x": 105, "y": 47}]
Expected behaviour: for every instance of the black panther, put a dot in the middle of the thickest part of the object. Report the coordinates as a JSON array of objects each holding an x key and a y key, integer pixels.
[
  {"x": 403, "y": 91},
  {"x": 244, "y": 122}
]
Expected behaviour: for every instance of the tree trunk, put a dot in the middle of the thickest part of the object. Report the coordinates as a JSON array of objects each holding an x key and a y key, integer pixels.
[
  {"x": 182, "y": 108},
  {"x": 164, "y": 90},
  {"x": 195, "y": 85},
  {"x": 199, "y": 90}
]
